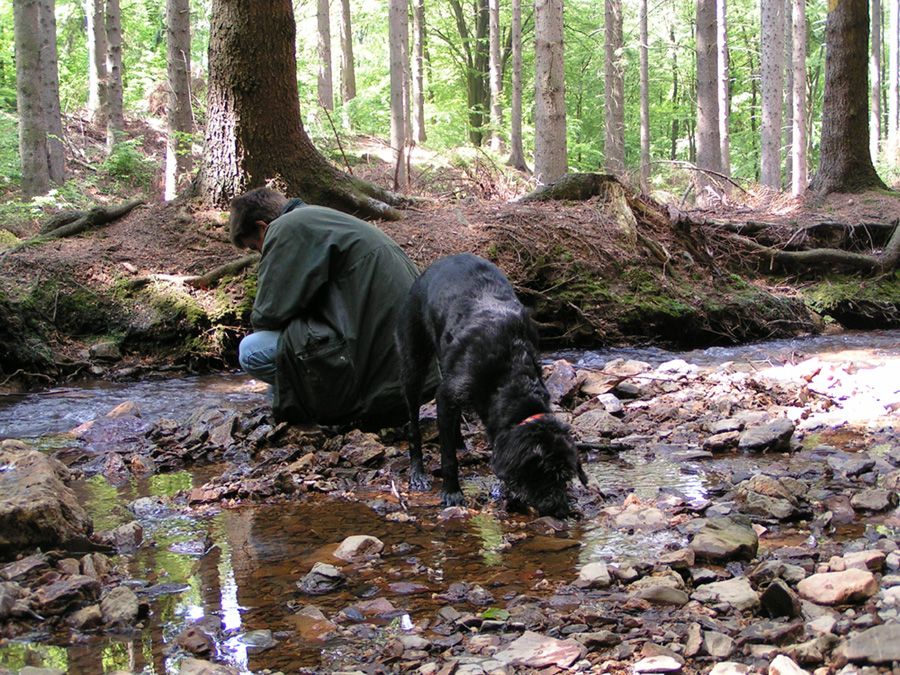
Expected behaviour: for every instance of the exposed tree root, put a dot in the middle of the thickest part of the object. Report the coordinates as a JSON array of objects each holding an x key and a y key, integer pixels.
[{"x": 212, "y": 277}]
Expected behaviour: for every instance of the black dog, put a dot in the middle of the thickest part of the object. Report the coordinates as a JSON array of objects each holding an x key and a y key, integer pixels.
[{"x": 464, "y": 311}]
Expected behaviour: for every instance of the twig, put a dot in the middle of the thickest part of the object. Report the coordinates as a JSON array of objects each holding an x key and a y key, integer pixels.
[{"x": 337, "y": 138}]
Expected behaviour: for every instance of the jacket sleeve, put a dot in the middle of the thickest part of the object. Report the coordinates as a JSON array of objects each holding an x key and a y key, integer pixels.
[{"x": 291, "y": 271}]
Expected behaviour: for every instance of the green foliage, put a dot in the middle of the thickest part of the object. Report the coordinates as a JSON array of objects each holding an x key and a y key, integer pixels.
[{"x": 127, "y": 165}]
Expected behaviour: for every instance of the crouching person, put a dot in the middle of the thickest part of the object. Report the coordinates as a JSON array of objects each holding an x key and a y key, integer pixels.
[{"x": 329, "y": 289}]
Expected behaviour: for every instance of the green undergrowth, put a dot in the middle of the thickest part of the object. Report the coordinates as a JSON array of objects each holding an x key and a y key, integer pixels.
[{"x": 855, "y": 302}]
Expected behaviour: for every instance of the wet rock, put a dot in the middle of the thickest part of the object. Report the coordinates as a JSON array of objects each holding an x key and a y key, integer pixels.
[
  {"x": 736, "y": 592},
  {"x": 358, "y": 548},
  {"x": 120, "y": 607},
  {"x": 875, "y": 500},
  {"x": 562, "y": 381},
  {"x": 771, "y": 632},
  {"x": 774, "y": 436},
  {"x": 362, "y": 449},
  {"x": 779, "y": 600},
  {"x": 726, "y": 538},
  {"x": 596, "y": 383},
  {"x": 718, "y": 645},
  {"x": 833, "y": 588},
  {"x": 86, "y": 618},
  {"x": 69, "y": 566},
  {"x": 872, "y": 560},
  {"x": 637, "y": 516},
  {"x": 312, "y": 624},
  {"x": 195, "y": 641},
  {"x": 71, "y": 592},
  {"x": 257, "y": 640},
  {"x": 729, "y": 668},
  {"x": 36, "y": 508},
  {"x": 721, "y": 442},
  {"x": 769, "y": 570},
  {"x": 811, "y": 652},
  {"x": 533, "y": 650},
  {"x": 657, "y": 664},
  {"x": 9, "y": 593},
  {"x": 680, "y": 559},
  {"x": 150, "y": 507},
  {"x": 191, "y": 666},
  {"x": 541, "y": 544},
  {"x": 663, "y": 595},
  {"x": 594, "y": 575},
  {"x": 126, "y": 538},
  {"x": 598, "y": 424},
  {"x": 880, "y": 644},
  {"x": 783, "y": 665},
  {"x": 95, "y": 565},
  {"x": 765, "y": 496},
  {"x": 600, "y": 639},
  {"x": 321, "y": 579},
  {"x": 25, "y": 567},
  {"x": 610, "y": 403},
  {"x": 369, "y": 609}
]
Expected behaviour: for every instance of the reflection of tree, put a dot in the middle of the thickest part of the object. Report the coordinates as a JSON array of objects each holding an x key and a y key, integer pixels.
[{"x": 490, "y": 531}]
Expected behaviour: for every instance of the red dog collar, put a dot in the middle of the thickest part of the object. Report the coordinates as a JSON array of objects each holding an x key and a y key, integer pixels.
[{"x": 531, "y": 419}]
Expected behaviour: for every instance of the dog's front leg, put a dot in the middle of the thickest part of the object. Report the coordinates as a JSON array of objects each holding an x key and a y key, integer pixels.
[{"x": 449, "y": 417}]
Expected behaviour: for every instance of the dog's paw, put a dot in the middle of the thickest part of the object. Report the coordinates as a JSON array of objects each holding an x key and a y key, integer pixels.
[
  {"x": 418, "y": 482},
  {"x": 452, "y": 499}
]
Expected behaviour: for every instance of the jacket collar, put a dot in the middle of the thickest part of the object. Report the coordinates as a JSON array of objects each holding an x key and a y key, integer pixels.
[{"x": 293, "y": 204}]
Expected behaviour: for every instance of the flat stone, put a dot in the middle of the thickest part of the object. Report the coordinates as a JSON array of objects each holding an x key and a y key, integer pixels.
[
  {"x": 880, "y": 644},
  {"x": 657, "y": 664},
  {"x": 533, "y": 650},
  {"x": 774, "y": 436},
  {"x": 783, "y": 665},
  {"x": 875, "y": 500},
  {"x": 598, "y": 423},
  {"x": 834, "y": 588},
  {"x": 190, "y": 666},
  {"x": 594, "y": 575},
  {"x": 86, "y": 618},
  {"x": 726, "y": 538},
  {"x": 663, "y": 595},
  {"x": 321, "y": 579},
  {"x": 312, "y": 624},
  {"x": 718, "y": 645},
  {"x": 75, "y": 591},
  {"x": 24, "y": 567},
  {"x": 358, "y": 547},
  {"x": 736, "y": 592},
  {"x": 362, "y": 449},
  {"x": 729, "y": 668},
  {"x": 722, "y": 441},
  {"x": 120, "y": 607},
  {"x": 562, "y": 381},
  {"x": 872, "y": 560}
]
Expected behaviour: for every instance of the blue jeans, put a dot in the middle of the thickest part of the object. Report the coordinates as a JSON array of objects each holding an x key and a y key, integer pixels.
[{"x": 256, "y": 354}]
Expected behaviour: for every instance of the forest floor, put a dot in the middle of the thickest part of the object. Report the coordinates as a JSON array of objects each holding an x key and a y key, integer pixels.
[{"x": 614, "y": 269}]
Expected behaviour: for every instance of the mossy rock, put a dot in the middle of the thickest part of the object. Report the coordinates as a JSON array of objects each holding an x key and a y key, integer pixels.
[{"x": 857, "y": 303}]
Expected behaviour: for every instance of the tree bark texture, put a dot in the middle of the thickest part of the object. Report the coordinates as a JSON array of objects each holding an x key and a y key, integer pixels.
[
  {"x": 709, "y": 147},
  {"x": 844, "y": 161},
  {"x": 550, "y": 160},
  {"x": 787, "y": 110},
  {"x": 49, "y": 60},
  {"x": 645, "y": 96},
  {"x": 115, "y": 121},
  {"x": 772, "y": 82},
  {"x": 893, "y": 147},
  {"x": 875, "y": 81},
  {"x": 516, "y": 151},
  {"x": 398, "y": 29},
  {"x": 723, "y": 81},
  {"x": 418, "y": 72},
  {"x": 254, "y": 133},
  {"x": 325, "y": 86},
  {"x": 614, "y": 90},
  {"x": 348, "y": 65},
  {"x": 179, "y": 118},
  {"x": 32, "y": 123},
  {"x": 495, "y": 68},
  {"x": 799, "y": 137},
  {"x": 98, "y": 100}
]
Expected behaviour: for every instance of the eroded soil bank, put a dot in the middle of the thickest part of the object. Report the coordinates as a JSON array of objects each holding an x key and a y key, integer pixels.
[{"x": 741, "y": 511}]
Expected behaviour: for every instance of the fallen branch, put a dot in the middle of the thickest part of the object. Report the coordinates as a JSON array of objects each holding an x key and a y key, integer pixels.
[{"x": 229, "y": 269}]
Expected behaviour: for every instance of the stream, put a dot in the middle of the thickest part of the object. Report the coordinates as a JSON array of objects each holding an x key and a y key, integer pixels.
[{"x": 240, "y": 564}]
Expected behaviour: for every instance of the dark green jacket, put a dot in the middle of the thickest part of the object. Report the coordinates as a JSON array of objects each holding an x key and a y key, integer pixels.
[{"x": 334, "y": 285}]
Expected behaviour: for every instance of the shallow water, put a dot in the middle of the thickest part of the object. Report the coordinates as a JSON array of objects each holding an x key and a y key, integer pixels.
[{"x": 242, "y": 564}]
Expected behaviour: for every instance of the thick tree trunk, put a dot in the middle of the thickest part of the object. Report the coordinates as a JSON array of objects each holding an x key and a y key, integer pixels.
[
  {"x": 645, "y": 97},
  {"x": 723, "y": 89},
  {"x": 32, "y": 123},
  {"x": 325, "y": 82},
  {"x": 98, "y": 99},
  {"x": 772, "y": 82},
  {"x": 844, "y": 161},
  {"x": 50, "y": 91},
  {"x": 787, "y": 111},
  {"x": 495, "y": 68},
  {"x": 550, "y": 160},
  {"x": 614, "y": 90},
  {"x": 348, "y": 65},
  {"x": 875, "y": 82},
  {"x": 799, "y": 138},
  {"x": 398, "y": 29},
  {"x": 254, "y": 135},
  {"x": 115, "y": 121},
  {"x": 516, "y": 151},
  {"x": 418, "y": 72},
  {"x": 709, "y": 147},
  {"x": 179, "y": 118}
]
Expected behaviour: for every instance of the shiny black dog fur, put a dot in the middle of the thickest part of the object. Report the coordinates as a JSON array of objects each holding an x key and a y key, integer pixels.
[{"x": 464, "y": 311}]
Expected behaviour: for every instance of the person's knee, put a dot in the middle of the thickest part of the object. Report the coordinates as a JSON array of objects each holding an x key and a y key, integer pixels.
[{"x": 256, "y": 354}]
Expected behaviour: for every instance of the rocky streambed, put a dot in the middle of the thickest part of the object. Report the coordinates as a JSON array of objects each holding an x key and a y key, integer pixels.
[{"x": 741, "y": 516}]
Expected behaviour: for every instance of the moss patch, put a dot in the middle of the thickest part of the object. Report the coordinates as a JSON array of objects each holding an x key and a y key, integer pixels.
[{"x": 857, "y": 303}]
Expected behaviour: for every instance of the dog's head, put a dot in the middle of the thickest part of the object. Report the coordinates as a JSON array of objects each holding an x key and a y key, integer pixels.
[{"x": 536, "y": 460}]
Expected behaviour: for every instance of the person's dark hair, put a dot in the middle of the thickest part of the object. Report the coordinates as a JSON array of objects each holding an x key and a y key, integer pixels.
[{"x": 263, "y": 204}]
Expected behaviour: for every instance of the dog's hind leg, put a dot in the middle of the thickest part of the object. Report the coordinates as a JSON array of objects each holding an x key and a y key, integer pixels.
[
  {"x": 449, "y": 418},
  {"x": 412, "y": 346}
]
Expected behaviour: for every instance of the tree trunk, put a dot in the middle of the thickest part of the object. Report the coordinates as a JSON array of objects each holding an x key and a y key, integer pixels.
[
  {"x": 875, "y": 82},
  {"x": 50, "y": 91},
  {"x": 348, "y": 65},
  {"x": 179, "y": 119},
  {"x": 673, "y": 137},
  {"x": 115, "y": 121},
  {"x": 844, "y": 161},
  {"x": 32, "y": 122},
  {"x": 98, "y": 100},
  {"x": 772, "y": 83},
  {"x": 894, "y": 84},
  {"x": 325, "y": 87},
  {"x": 516, "y": 151},
  {"x": 709, "y": 147},
  {"x": 723, "y": 88},
  {"x": 398, "y": 40},
  {"x": 495, "y": 68},
  {"x": 475, "y": 65},
  {"x": 799, "y": 138},
  {"x": 614, "y": 91},
  {"x": 418, "y": 74},
  {"x": 253, "y": 109},
  {"x": 550, "y": 160},
  {"x": 787, "y": 110},
  {"x": 645, "y": 98}
]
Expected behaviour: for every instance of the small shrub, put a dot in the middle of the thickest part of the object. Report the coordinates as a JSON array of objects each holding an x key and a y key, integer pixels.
[{"x": 127, "y": 164}]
